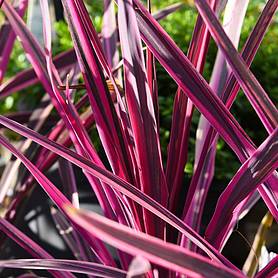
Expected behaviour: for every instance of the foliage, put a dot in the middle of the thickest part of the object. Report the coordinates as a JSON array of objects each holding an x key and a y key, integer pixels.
[
  {"x": 180, "y": 27},
  {"x": 124, "y": 103}
]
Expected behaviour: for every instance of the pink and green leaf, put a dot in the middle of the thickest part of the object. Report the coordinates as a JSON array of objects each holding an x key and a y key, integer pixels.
[{"x": 155, "y": 250}]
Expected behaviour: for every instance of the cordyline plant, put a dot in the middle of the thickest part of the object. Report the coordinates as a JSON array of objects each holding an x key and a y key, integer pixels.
[{"x": 155, "y": 231}]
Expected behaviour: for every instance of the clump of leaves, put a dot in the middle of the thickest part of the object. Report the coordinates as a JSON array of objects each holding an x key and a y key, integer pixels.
[{"x": 147, "y": 217}]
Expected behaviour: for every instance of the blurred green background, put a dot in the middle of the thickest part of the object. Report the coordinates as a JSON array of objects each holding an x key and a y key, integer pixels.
[{"x": 180, "y": 26}]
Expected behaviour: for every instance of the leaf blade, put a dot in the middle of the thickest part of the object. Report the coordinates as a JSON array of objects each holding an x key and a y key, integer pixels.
[{"x": 153, "y": 249}]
